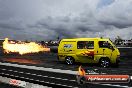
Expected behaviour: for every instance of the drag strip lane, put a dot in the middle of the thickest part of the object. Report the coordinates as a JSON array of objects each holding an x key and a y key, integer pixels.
[
  {"x": 39, "y": 76},
  {"x": 42, "y": 76},
  {"x": 40, "y": 68},
  {"x": 35, "y": 74}
]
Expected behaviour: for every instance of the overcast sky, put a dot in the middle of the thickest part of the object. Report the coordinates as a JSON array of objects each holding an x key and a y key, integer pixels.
[{"x": 48, "y": 19}]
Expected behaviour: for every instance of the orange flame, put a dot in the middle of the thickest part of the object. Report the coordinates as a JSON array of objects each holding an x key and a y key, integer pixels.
[
  {"x": 81, "y": 71},
  {"x": 23, "y": 48}
]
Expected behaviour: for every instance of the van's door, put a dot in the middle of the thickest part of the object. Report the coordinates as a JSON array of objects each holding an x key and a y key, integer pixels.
[
  {"x": 85, "y": 51},
  {"x": 103, "y": 49}
]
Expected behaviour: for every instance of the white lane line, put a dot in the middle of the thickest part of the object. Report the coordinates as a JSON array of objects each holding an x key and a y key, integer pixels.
[
  {"x": 26, "y": 78},
  {"x": 106, "y": 84},
  {"x": 126, "y": 87},
  {"x": 3, "y": 69},
  {"x": 58, "y": 84},
  {"x": 65, "y": 79},
  {"x": 73, "y": 80},
  {"x": 39, "y": 75},
  {"x": 21, "y": 72},
  {"x": 28, "y": 73},
  {"x": 15, "y": 71},
  {"x": 42, "y": 76},
  {"x": 70, "y": 86},
  {"x": 45, "y": 76},
  {"x": 31, "y": 79},
  {"x": 52, "y": 77},
  {"x": 10, "y": 70},
  {"x": 33, "y": 74},
  {"x": 37, "y": 80},
  {"x": 58, "y": 78},
  {"x": 52, "y": 83},
  {"x": 47, "y": 82},
  {"x": 22, "y": 77},
  {"x": 16, "y": 76},
  {"x": 131, "y": 77},
  {"x": 7, "y": 74},
  {"x": 40, "y": 68},
  {"x": 115, "y": 85},
  {"x": 11, "y": 75},
  {"x": 75, "y": 87},
  {"x": 41, "y": 81},
  {"x": 64, "y": 85}
]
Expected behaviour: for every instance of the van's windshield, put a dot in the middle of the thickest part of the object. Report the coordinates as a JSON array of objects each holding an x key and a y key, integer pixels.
[{"x": 106, "y": 44}]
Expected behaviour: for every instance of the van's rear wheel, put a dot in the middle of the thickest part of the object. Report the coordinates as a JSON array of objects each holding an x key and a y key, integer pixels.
[
  {"x": 69, "y": 60},
  {"x": 104, "y": 62}
]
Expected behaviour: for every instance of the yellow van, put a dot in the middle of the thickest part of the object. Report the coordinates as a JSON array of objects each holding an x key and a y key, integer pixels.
[{"x": 88, "y": 50}]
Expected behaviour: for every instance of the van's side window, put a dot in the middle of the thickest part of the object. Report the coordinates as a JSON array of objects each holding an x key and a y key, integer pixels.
[
  {"x": 80, "y": 44},
  {"x": 85, "y": 44},
  {"x": 90, "y": 45},
  {"x": 103, "y": 44}
]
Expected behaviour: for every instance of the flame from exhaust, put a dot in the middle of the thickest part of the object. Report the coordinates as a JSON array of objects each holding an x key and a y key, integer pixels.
[{"x": 23, "y": 48}]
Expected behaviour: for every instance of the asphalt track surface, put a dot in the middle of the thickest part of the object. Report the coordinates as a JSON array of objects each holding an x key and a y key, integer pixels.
[
  {"x": 49, "y": 60},
  {"x": 3, "y": 85}
]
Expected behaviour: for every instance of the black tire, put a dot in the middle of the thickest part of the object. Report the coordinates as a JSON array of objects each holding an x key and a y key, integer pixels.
[
  {"x": 69, "y": 60},
  {"x": 104, "y": 62}
]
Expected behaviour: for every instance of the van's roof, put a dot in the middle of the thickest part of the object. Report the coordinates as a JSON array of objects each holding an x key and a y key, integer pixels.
[{"x": 75, "y": 39}]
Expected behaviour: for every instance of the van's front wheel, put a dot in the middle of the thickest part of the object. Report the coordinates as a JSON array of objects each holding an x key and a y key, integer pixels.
[
  {"x": 104, "y": 62},
  {"x": 69, "y": 60}
]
